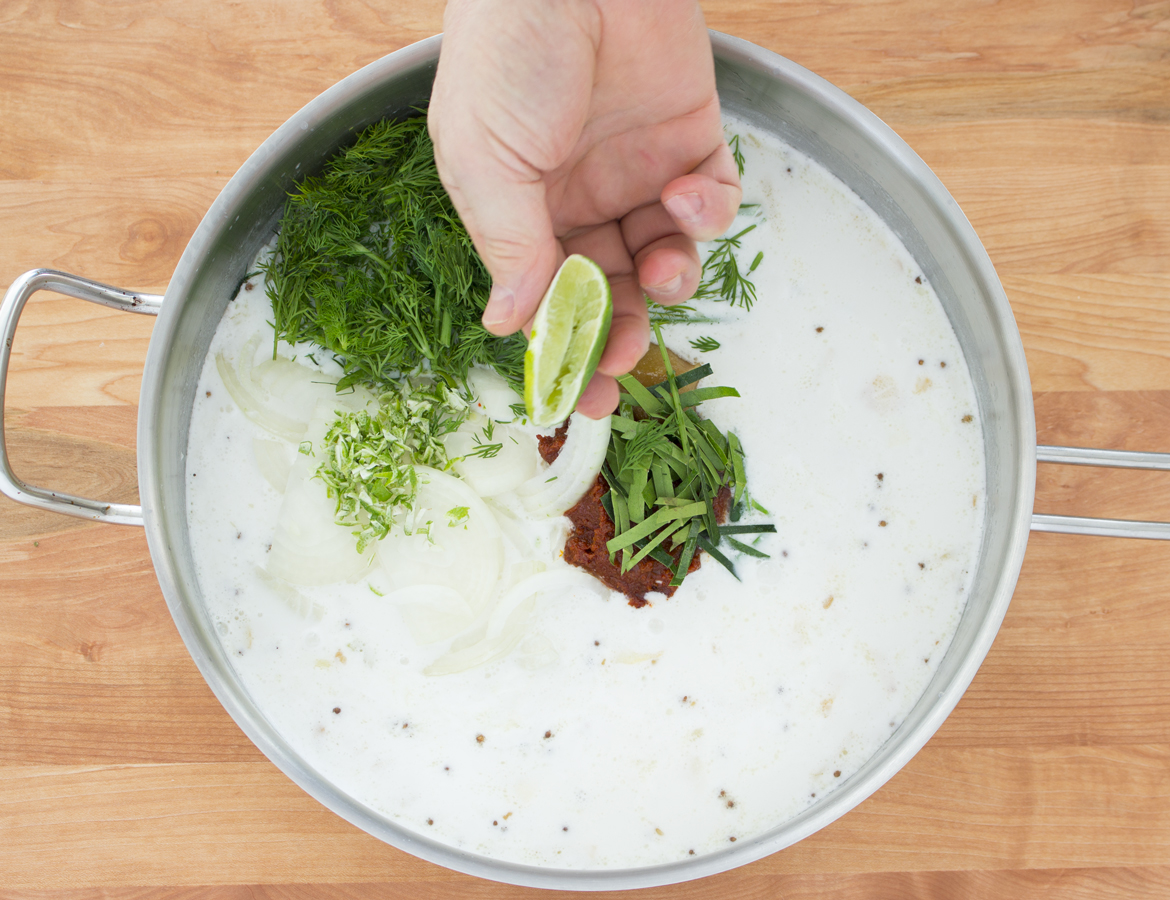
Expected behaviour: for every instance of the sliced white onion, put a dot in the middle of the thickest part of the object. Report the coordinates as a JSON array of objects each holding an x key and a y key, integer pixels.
[
  {"x": 282, "y": 426},
  {"x": 552, "y": 491},
  {"x": 494, "y": 397},
  {"x": 536, "y": 652},
  {"x": 505, "y": 625},
  {"x": 510, "y": 527},
  {"x": 515, "y": 463},
  {"x": 462, "y": 552},
  {"x": 293, "y": 599},
  {"x": 309, "y": 547},
  {"x": 432, "y": 612},
  {"x": 274, "y": 460},
  {"x": 301, "y": 387},
  {"x": 277, "y": 392}
]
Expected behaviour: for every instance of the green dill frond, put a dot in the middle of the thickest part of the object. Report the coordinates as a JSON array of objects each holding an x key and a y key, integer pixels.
[
  {"x": 736, "y": 153},
  {"x": 373, "y": 263}
]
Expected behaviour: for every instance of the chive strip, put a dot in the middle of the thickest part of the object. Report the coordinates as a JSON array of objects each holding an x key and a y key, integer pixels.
[
  {"x": 661, "y": 556},
  {"x": 621, "y": 522},
  {"x": 684, "y": 560},
  {"x": 737, "y": 466},
  {"x": 747, "y": 529},
  {"x": 662, "y": 482},
  {"x": 648, "y": 495},
  {"x": 652, "y": 523},
  {"x": 610, "y": 479},
  {"x": 654, "y": 542},
  {"x": 670, "y": 379},
  {"x": 635, "y": 500},
  {"x": 709, "y": 520},
  {"x": 718, "y": 442},
  {"x": 699, "y": 395},
  {"x": 640, "y": 395},
  {"x": 708, "y": 453},
  {"x": 714, "y": 553},
  {"x": 744, "y": 548},
  {"x": 673, "y": 457},
  {"x": 683, "y": 380},
  {"x": 686, "y": 489},
  {"x": 622, "y": 425}
]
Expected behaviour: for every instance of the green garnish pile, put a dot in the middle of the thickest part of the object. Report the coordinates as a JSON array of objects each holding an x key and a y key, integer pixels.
[
  {"x": 373, "y": 263},
  {"x": 665, "y": 467},
  {"x": 369, "y": 459}
]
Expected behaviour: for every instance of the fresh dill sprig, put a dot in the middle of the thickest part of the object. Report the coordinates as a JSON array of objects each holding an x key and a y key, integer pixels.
[
  {"x": 721, "y": 278},
  {"x": 705, "y": 344},
  {"x": 736, "y": 153},
  {"x": 681, "y": 314},
  {"x": 373, "y": 263},
  {"x": 483, "y": 449}
]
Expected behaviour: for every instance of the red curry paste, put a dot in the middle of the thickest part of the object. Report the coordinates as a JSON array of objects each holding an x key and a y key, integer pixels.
[{"x": 593, "y": 528}]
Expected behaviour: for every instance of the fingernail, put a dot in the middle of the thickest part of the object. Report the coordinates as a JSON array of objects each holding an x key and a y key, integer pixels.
[
  {"x": 685, "y": 206},
  {"x": 670, "y": 287},
  {"x": 501, "y": 302}
]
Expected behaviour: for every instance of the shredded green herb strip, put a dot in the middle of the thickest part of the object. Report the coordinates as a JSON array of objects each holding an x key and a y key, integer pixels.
[
  {"x": 665, "y": 467},
  {"x": 369, "y": 459},
  {"x": 373, "y": 263}
]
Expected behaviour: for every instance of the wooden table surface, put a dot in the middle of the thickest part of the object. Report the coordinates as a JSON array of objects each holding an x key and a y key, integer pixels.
[{"x": 120, "y": 774}]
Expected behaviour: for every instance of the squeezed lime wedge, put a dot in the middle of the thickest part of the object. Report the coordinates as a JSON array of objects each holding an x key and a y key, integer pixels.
[{"x": 568, "y": 335}]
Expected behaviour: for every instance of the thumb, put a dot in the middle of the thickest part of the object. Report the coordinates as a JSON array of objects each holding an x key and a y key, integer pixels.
[{"x": 508, "y": 219}]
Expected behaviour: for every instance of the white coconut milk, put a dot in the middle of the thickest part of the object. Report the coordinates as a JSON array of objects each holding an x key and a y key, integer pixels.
[{"x": 617, "y": 737}]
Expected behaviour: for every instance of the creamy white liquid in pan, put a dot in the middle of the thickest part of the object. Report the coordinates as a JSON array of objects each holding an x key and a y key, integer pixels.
[{"x": 715, "y": 715}]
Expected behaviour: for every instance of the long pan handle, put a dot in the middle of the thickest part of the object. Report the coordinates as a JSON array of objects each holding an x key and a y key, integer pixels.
[
  {"x": 82, "y": 289},
  {"x": 1117, "y": 459}
]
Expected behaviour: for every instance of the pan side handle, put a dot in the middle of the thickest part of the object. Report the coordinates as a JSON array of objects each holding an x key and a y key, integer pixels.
[
  {"x": 82, "y": 289},
  {"x": 1117, "y": 459}
]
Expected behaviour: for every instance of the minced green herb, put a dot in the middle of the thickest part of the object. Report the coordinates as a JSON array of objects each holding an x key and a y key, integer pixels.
[
  {"x": 369, "y": 459},
  {"x": 373, "y": 263}
]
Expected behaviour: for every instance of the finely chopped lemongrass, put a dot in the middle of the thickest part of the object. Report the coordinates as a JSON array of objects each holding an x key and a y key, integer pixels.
[
  {"x": 309, "y": 547},
  {"x": 552, "y": 491}
]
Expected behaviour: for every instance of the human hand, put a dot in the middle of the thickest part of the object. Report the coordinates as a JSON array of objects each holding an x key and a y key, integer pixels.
[{"x": 583, "y": 126}]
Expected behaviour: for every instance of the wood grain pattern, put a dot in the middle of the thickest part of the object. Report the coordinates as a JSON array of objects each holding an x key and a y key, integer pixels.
[
  {"x": 122, "y": 778},
  {"x": 1102, "y": 883}
]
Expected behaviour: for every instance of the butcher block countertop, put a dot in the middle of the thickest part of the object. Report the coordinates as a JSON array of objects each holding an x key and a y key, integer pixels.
[{"x": 120, "y": 774}]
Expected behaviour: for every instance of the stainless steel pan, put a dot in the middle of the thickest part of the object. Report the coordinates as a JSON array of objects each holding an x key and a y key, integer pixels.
[{"x": 773, "y": 94}]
